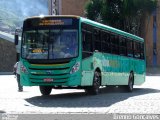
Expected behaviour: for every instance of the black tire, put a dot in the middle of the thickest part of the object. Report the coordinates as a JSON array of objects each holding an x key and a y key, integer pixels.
[
  {"x": 45, "y": 90},
  {"x": 94, "y": 89},
  {"x": 129, "y": 87}
]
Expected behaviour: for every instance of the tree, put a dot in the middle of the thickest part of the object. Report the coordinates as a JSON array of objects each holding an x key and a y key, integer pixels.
[
  {"x": 93, "y": 9},
  {"x": 135, "y": 12},
  {"x": 127, "y": 15}
]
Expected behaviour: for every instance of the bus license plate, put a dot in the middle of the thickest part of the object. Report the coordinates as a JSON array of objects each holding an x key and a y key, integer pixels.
[{"x": 48, "y": 80}]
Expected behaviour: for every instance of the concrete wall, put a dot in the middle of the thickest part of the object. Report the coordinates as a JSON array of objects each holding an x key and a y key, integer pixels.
[
  {"x": 149, "y": 39},
  {"x": 7, "y": 55},
  {"x": 158, "y": 34}
]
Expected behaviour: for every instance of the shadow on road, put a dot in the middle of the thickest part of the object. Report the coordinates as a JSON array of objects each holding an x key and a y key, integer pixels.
[{"x": 107, "y": 97}]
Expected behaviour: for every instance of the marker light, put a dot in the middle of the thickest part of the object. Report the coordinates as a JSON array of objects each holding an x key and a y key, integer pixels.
[
  {"x": 24, "y": 69},
  {"x": 75, "y": 68}
]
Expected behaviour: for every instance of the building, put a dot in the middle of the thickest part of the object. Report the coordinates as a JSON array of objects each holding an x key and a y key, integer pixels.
[
  {"x": 66, "y": 7},
  {"x": 152, "y": 38}
]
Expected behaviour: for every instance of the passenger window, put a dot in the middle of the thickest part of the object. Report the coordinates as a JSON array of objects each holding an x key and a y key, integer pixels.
[
  {"x": 106, "y": 42},
  {"x": 97, "y": 40},
  {"x": 130, "y": 48},
  {"x": 87, "y": 42},
  {"x": 137, "y": 50},
  {"x": 115, "y": 44},
  {"x": 123, "y": 47},
  {"x": 142, "y": 50}
]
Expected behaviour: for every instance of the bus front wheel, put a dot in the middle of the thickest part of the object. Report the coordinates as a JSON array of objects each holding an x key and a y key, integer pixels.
[
  {"x": 45, "y": 90},
  {"x": 94, "y": 89}
]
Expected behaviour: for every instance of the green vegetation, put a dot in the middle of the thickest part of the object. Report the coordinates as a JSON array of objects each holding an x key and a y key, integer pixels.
[{"x": 127, "y": 15}]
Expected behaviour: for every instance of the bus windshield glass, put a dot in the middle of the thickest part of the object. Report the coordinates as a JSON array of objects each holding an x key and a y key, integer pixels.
[{"x": 50, "y": 44}]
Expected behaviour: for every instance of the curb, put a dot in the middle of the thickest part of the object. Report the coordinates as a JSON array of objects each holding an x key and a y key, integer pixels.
[{"x": 6, "y": 73}]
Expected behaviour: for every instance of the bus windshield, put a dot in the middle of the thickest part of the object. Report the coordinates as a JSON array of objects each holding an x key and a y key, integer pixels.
[{"x": 50, "y": 44}]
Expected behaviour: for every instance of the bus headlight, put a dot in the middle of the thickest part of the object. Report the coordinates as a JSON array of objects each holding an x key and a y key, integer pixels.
[
  {"x": 75, "y": 68},
  {"x": 23, "y": 69}
]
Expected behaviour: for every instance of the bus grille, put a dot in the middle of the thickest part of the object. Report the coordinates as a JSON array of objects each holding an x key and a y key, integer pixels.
[{"x": 59, "y": 73}]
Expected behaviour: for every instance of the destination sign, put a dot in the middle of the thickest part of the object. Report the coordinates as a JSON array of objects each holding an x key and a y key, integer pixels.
[{"x": 47, "y": 22}]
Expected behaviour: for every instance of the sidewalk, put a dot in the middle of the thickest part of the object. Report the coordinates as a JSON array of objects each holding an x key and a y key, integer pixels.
[
  {"x": 153, "y": 71},
  {"x": 6, "y": 73}
]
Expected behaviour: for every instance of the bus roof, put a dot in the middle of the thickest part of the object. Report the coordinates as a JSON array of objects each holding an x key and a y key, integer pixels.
[
  {"x": 111, "y": 29},
  {"x": 52, "y": 16}
]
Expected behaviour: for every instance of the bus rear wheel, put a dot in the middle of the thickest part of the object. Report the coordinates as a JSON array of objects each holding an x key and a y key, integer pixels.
[
  {"x": 45, "y": 90},
  {"x": 129, "y": 87},
  {"x": 94, "y": 89}
]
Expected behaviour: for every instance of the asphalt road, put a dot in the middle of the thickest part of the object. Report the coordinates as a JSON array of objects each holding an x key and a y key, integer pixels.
[{"x": 145, "y": 99}]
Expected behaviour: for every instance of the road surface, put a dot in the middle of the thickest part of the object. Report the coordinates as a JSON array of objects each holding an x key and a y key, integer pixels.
[{"x": 145, "y": 99}]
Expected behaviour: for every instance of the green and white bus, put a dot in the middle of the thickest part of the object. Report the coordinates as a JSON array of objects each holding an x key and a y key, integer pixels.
[{"x": 75, "y": 52}]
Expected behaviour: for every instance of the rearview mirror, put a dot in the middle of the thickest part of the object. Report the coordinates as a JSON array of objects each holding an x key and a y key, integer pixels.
[
  {"x": 16, "y": 39},
  {"x": 18, "y": 31}
]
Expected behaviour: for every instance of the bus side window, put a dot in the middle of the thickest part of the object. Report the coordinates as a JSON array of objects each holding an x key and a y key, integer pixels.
[
  {"x": 122, "y": 46},
  {"x": 87, "y": 40},
  {"x": 137, "y": 50},
  {"x": 87, "y": 44},
  {"x": 115, "y": 44},
  {"x": 142, "y": 50},
  {"x": 106, "y": 42},
  {"x": 97, "y": 40},
  {"x": 129, "y": 48}
]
